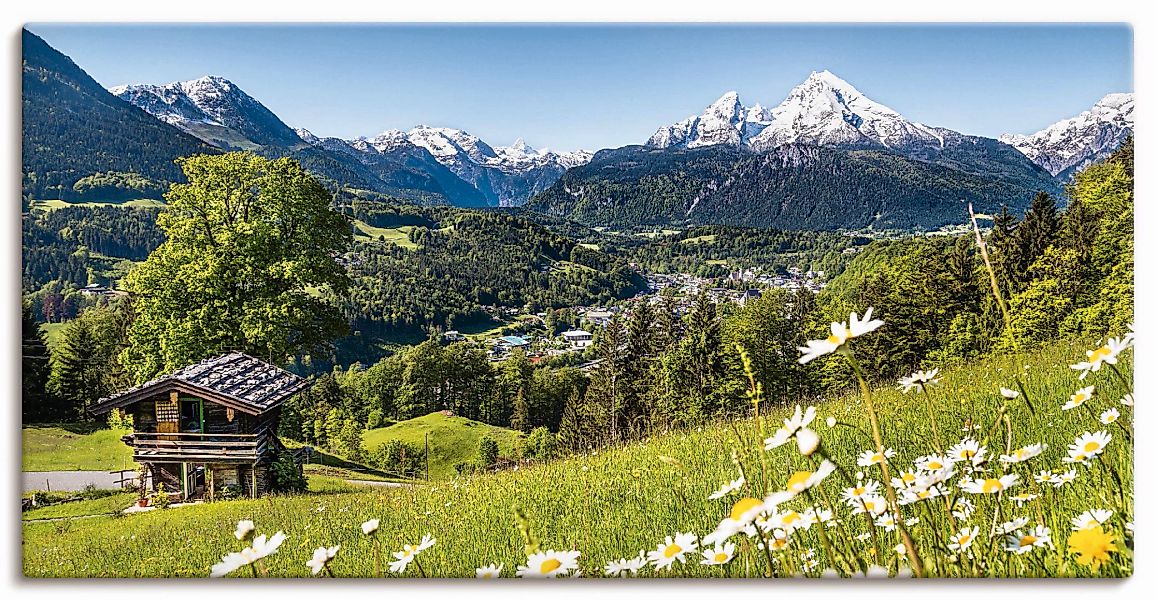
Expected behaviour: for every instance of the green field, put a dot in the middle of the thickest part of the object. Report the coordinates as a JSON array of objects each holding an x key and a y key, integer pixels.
[
  {"x": 392, "y": 235},
  {"x": 139, "y": 203},
  {"x": 452, "y": 440},
  {"x": 612, "y": 503},
  {"x": 702, "y": 239},
  {"x": 73, "y": 447}
]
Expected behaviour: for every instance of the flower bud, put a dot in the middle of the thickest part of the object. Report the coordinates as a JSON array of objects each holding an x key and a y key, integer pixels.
[{"x": 808, "y": 441}]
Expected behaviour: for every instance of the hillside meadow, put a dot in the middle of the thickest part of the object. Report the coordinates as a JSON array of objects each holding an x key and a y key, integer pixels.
[{"x": 613, "y": 503}]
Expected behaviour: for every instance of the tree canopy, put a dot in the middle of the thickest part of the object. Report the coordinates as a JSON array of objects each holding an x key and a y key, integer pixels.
[{"x": 250, "y": 243}]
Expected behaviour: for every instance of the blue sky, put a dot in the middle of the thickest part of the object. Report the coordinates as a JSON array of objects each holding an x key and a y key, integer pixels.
[{"x": 598, "y": 86}]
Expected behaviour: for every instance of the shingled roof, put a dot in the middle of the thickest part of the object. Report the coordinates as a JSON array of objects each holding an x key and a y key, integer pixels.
[{"x": 235, "y": 379}]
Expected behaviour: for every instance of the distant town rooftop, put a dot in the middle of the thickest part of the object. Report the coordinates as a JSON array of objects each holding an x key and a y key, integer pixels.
[{"x": 576, "y": 333}]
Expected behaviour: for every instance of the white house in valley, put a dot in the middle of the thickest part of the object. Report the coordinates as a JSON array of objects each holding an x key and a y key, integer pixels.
[{"x": 578, "y": 338}]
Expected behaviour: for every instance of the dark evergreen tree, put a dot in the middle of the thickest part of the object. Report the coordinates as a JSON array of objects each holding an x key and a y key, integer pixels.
[{"x": 37, "y": 403}]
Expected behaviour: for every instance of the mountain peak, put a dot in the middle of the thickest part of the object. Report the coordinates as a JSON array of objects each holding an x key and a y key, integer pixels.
[
  {"x": 213, "y": 109},
  {"x": 1068, "y": 145},
  {"x": 306, "y": 135}
]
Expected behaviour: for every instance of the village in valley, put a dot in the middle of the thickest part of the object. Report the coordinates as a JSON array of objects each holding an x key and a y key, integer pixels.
[{"x": 532, "y": 333}]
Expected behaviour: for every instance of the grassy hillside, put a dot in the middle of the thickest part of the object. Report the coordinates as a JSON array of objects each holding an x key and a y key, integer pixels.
[
  {"x": 73, "y": 447},
  {"x": 613, "y": 503},
  {"x": 452, "y": 440}
]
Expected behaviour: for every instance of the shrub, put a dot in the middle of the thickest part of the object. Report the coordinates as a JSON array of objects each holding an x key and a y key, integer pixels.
[
  {"x": 540, "y": 445},
  {"x": 285, "y": 474},
  {"x": 487, "y": 452}
]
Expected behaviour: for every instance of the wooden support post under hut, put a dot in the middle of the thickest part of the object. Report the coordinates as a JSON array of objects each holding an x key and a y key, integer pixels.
[{"x": 208, "y": 430}]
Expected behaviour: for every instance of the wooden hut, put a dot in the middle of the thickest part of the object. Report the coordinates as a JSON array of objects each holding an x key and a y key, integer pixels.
[{"x": 209, "y": 428}]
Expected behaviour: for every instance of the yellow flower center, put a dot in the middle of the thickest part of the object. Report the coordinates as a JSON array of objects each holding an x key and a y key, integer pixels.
[
  {"x": 934, "y": 465},
  {"x": 1019, "y": 454},
  {"x": 1027, "y": 540},
  {"x": 550, "y": 565},
  {"x": 869, "y": 505},
  {"x": 720, "y": 557},
  {"x": 991, "y": 485},
  {"x": 1091, "y": 446},
  {"x": 832, "y": 339},
  {"x": 858, "y": 491},
  {"x": 1099, "y": 354},
  {"x": 790, "y": 517},
  {"x": 964, "y": 539},
  {"x": 489, "y": 575},
  {"x": 742, "y": 506},
  {"x": 1081, "y": 457},
  {"x": 1109, "y": 417},
  {"x": 798, "y": 481},
  {"x": 672, "y": 551},
  {"x": 877, "y": 457},
  {"x": 908, "y": 477},
  {"x": 779, "y": 543},
  {"x": 924, "y": 494}
]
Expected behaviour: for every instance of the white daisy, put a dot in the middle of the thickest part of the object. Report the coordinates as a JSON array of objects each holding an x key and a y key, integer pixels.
[
  {"x": 1104, "y": 354},
  {"x": 1090, "y": 518},
  {"x": 1088, "y": 446},
  {"x": 872, "y": 457},
  {"x": 245, "y": 529},
  {"x": 551, "y": 563},
  {"x": 963, "y": 508},
  {"x": 491, "y": 572},
  {"x": 968, "y": 450},
  {"x": 840, "y": 333},
  {"x": 261, "y": 548},
  {"x": 727, "y": 488},
  {"x": 873, "y": 505},
  {"x": 1127, "y": 400},
  {"x": 886, "y": 521},
  {"x": 1020, "y": 455},
  {"x": 674, "y": 548},
  {"x": 1066, "y": 477},
  {"x": 1023, "y": 497},
  {"x": 1011, "y": 526},
  {"x": 1081, "y": 396},
  {"x": 1009, "y": 394},
  {"x": 989, "y": 485},
  {"x": 719, "y": 555},
  {"x": 920, "y": 380},
  {"x": 408, "y": 553},
  {"x": 851, "y": 495},
  {"x": 962, "y": 541},
  {"x": 1023, "y": 542},
  {"x": 321, "y": 557},
  {"x": 370, "y": 527},
  {"x": 1109, "y": 416}
]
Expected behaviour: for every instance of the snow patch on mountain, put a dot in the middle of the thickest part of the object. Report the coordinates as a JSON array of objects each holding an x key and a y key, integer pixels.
[
  {"x": 210, "y": 101},
  {"x": 824, "y": 110},
  {"x": 1071, "y": 144}
]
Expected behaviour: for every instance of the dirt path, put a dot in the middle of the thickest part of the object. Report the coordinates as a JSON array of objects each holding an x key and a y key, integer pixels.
[
  {"x": 392, "y": 484},
  {"x": 69, "y": 481}
]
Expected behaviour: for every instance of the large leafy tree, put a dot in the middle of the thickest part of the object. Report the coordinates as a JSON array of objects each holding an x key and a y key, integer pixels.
[{"x": 250, "y": 241}]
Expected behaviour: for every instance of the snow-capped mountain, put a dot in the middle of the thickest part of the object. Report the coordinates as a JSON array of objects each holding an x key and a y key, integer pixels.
[
  {"x": 453, "y": 147},
  {"x": 1067, "y": 146},
  {"x": 213, "y": 109},
  {"x": 425, "y": 163},
  {"x": 725, "y": 122},
  {"x": 824, "y": 110},
  {"x": 504, "y": 175}
]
